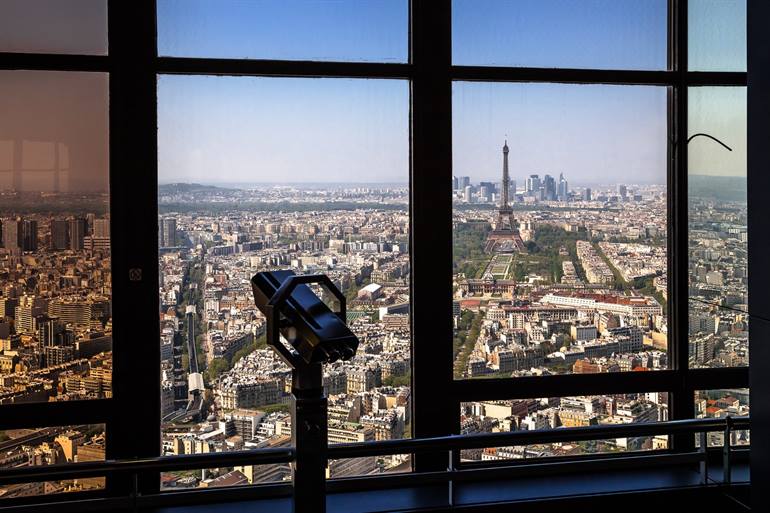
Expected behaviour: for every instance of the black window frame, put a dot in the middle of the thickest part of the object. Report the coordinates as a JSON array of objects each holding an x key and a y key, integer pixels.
[{"x": 133, "y": 66}]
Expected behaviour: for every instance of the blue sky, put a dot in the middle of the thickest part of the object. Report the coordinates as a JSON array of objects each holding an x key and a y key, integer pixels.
[{"x": 240, "y": 129}]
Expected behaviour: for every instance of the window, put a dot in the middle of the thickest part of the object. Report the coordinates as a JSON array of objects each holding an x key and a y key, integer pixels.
[
  {"x": 51, "y": 446},
  {"x": 566, "y": 271},
  {"x": 56, "y": 324},
  {"x": 54, "y": 26},
  {"x": 717, "y": 35},
  {"x": 718, "y": 318},
  {"x": 318, "y": 30},
  {"x": 593, "y": 34},
  {"x": 563, "y": 412},
  {"x": 290, "y": 189},
  {"x": 154, "y": 171}
]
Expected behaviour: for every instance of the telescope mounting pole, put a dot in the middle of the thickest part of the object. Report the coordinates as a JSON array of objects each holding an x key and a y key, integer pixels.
[{"x": 309, "y": 431}]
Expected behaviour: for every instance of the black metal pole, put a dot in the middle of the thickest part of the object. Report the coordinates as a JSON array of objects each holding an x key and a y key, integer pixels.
[{"x": 309, "y": 431}]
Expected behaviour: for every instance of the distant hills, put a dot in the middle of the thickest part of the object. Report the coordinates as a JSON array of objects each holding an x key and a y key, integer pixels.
[
  {"x": 725, "y": 188},
  {"x": 189, "y": 188}
]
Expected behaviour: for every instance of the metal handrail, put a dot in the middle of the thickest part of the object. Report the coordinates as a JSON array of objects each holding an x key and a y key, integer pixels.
[
  {"x": 509, "y": 438},
  {"x": 160, "y": 463},
  {"x": 353, "y": 450}
]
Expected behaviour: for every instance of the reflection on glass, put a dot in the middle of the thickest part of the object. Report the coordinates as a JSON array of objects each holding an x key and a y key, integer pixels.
[
  {"x": 259, "y": 174},
  {"x": 54, "y": 26},
  {"x": 563, "y": 412},
  {"x": 559, "y": 236},
  {"x": 598, "y": 34},
  {"x": 718, "y": 274},
  {"x": 344, "y": 30},
  {"x": 55, "y": 279},
  {"x": 720, "y": 404},
  {"x": 716, "y": 35},
  {"x": 51, "y": 446}
]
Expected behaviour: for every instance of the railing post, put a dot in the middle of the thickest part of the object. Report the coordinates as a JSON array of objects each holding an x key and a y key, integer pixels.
[
  {"x": 726, "y": 452},
  {"x": 310, "y": 432},
  {"x": 703, "y": 453},
  {"x": 450, "y": 481}
]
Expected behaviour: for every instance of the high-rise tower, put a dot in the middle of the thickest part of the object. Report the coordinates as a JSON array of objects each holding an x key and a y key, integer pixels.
[
  {"x": 505, "y": 221},
  {"x": 506, "y": 178},
  {"x": 505, "y": 237}
]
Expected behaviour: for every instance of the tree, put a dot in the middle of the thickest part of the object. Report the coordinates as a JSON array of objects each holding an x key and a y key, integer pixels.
[{"x": 217, "y": 367}]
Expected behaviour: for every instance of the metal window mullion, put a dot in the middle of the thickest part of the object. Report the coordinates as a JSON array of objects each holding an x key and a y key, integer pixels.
[
  {"x": 133, "y": 211},
  {"x": 682, "y": 401},
  {"x": 431, "y": 225}
]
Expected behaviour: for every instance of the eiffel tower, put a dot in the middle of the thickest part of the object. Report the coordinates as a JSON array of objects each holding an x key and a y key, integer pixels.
[{"x": 505, "y": 227}]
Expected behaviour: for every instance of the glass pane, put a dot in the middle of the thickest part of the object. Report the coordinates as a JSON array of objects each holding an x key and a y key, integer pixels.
[
  {"x": 717, "y": 35},
  {"x": 559, "y": 229},
  {"x": 320, "y": 30},
  {"x": 594, "y": 34},
  {"x": 55, "y": 279},
  {"x": 718, "y": 246},
  {"x": 719, "y": 404},
  {"x": 255, "y": 175},
  {"x": 563, "y": 412},
  {"x": 51, "y": 446},
  {"x": 54, "y": 26}
]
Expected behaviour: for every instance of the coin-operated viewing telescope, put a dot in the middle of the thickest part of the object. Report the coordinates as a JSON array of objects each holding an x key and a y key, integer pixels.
[
  {"x": 314, "y": 335},
  {"x": 314, "y": 332}
]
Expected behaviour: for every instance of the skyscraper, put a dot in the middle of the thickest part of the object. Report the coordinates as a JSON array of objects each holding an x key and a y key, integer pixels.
[
  {"x": 168, "y": 232},
  {"x": 59, "y": 234},
  {"x": 77, "y": 232},
  {"x": 12, "y": 234},
  {"x": 533, "y": 184},
  {"x": 562, "y": 189},
  {"x": 549, "y": 186},
  {"x": 29, "y": 235},
  {"x": 102, "y": 227}
]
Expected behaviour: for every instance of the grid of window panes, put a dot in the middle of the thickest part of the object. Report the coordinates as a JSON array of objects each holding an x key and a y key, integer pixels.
[{"x": 560, "y": 224}]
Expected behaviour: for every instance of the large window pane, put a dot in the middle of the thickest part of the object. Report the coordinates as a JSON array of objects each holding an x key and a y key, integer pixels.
[
  {"x": 718, "y": 247},
  {"x": 716, "y": 35},
  {"x": 51, "y": 446},
  {"x": 563, "y": 412},
  {"x": 54, "y": 26},
  {"x": 598, "y": 34},
  {"x": 563, "y": 268},
  {"x": 55, "y": 277},
  {"x": 322, "y": 30},
  {"x": 720, "y": 404},
  {"x": 259, "y": 174}
]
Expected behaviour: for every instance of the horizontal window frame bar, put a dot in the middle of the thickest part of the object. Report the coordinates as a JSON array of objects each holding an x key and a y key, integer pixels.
[
  {"x": 596, "y": 76},
  {"x": 348, "y": 69},
  {"x": 55, "y": 62},
  {"x": 56, "y": 414},
  {"x": 282, "y": 68},
  {"x": 717, "y": 378}
]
